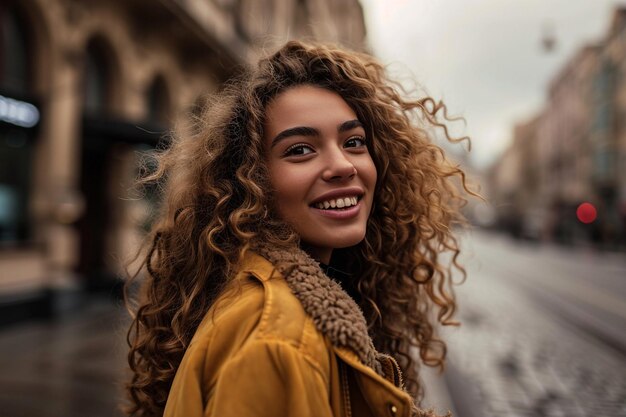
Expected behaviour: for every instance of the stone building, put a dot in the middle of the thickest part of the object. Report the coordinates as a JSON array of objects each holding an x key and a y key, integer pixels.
[
  {"x": 580, "y": 148},
  {"x": 513, "y": 182},
  {"x": 608, "y": 133},
  {"x": 83, "y": 86},
  {"x": 504, "y": 179},
  {"x": 564, "y": 143}
]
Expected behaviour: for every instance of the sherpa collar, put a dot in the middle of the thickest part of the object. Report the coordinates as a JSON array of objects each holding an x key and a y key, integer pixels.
[{"x": 333, "y": 311}]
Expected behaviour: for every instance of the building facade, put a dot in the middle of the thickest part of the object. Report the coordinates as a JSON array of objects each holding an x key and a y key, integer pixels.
[
  {"x": 564, "y": 140},
  {"x": 84, "y": 86},
  {"x": 579, "y": 150},
  {"x": 608, "y": 132}
]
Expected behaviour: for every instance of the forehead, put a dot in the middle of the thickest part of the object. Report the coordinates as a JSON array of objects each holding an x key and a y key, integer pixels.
[{"x": 306, "y": 106}]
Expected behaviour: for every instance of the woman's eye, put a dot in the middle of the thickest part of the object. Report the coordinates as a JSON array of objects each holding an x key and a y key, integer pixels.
[
  {"x": 355, "y": 142},
  {"x": 298, "y": 149}
]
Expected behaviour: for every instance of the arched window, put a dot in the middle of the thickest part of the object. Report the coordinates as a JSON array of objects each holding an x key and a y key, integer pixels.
[
  {"x": 16, "y": 135},
  {"x": 158, "y": 102},
  {"x": 14, "y": 52},
  {"x": 97, "y": 78}
]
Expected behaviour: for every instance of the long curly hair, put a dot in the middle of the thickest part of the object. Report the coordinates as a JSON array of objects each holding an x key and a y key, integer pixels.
[{"x": 217, "y": 201}]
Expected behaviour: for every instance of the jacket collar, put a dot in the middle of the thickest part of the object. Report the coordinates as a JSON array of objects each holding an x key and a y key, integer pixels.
[{"x": 334, "y": 313}]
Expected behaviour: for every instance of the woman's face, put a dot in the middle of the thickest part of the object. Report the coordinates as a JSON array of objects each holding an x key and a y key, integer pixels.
[{"x": 320, "y": 168}]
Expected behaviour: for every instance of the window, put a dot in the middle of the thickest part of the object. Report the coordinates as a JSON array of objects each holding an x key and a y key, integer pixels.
[
  {"x": 158, "y": 102},
  {"x": 96, "y": 99},
  {"x": 14, "y": 65},
  {"x": 15, "y": 140},
  {"x": 15, "y": 152}
]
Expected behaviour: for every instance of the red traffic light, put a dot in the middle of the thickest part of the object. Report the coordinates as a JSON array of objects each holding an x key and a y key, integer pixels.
[{"x": 586, "y": 213}]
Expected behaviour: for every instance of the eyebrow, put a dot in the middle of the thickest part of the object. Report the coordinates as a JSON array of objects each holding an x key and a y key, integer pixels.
[
  {"x": 349, "y": 125},
  {"x": 311, "y": 131}
]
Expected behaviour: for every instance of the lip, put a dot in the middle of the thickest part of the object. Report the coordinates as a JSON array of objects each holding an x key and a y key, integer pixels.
[
  {"x": 340, "y": 192},
  {"x": 342, "y": 214}
]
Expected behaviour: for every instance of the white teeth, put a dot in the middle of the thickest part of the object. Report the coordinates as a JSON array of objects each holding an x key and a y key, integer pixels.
[{"x": 338, "y": 203}]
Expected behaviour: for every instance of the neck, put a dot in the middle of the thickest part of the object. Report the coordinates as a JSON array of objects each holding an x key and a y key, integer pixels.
[{"x": 319, "y": 254}]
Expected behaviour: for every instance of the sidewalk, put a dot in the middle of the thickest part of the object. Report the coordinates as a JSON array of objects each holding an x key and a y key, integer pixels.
[{"x": 71, "y": 368}]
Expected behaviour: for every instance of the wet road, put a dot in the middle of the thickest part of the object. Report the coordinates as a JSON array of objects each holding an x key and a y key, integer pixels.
[
  {"x": 543, "y": 334},
  {"x": 68, "y": 368}
]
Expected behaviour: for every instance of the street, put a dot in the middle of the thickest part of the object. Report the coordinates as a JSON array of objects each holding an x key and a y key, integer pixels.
[
  {"x": 66, "y": 368},
  {"x": 542, "y": 335}
]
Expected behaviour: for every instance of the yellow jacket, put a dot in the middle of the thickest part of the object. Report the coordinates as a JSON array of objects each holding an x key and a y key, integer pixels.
[{"x": 285, "y": 341}]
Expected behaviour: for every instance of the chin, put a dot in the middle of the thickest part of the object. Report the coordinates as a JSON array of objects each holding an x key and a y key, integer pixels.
[{"x": 335, "y": 242}]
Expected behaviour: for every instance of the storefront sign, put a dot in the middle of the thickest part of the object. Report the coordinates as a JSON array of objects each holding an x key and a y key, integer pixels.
[{"x": 19, "y": 113}]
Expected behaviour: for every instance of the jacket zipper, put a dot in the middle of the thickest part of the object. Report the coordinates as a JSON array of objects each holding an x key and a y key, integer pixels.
[{"x": 345, "y": 390}]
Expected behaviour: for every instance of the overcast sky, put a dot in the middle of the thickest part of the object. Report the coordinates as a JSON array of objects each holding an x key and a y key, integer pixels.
[{"x": 484, "y": 58}]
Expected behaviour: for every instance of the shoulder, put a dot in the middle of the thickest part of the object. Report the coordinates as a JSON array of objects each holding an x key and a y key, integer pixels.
[
  {"x": 257, "y": 302},
  {"x": 256, "y": 309}
]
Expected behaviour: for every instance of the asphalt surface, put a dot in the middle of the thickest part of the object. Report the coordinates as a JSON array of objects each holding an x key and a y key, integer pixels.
[
  {"x": 72, "y": 367},
  {"x": 543, "y": 331}
]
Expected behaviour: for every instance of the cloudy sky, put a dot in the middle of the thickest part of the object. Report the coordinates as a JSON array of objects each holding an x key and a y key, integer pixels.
[{"x": 484, "y": 58}]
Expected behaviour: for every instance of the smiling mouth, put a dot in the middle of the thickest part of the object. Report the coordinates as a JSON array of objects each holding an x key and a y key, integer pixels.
[{"x": 337, "y": 204}]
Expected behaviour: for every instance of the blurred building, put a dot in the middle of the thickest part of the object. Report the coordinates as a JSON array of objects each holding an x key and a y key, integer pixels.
[
  {"x": 608, "y": 132},
  {"x": 514, "y": 183},
  {"x": 574, "y": 151},
  {"x": 86, "y": 84},
  {"x": 564, "y": 143}
]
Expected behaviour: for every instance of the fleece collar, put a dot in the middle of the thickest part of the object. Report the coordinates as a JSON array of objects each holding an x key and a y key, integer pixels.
[{"x": 333, "y": 311}]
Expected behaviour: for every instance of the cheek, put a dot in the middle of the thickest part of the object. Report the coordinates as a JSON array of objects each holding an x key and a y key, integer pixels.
[
  {"x": 289, "y": 186},
  {"x": 369, "y": 173}
]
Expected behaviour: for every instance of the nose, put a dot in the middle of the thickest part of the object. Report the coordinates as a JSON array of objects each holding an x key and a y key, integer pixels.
[{"x": 338, "y": 167}]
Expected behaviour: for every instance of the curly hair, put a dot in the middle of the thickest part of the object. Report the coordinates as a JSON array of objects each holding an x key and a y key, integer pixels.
[{"x": 217, "y": 202}]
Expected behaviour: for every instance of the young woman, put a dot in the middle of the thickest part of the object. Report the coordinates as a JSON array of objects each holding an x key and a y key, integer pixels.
[{"x": 296, "y": 266}]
